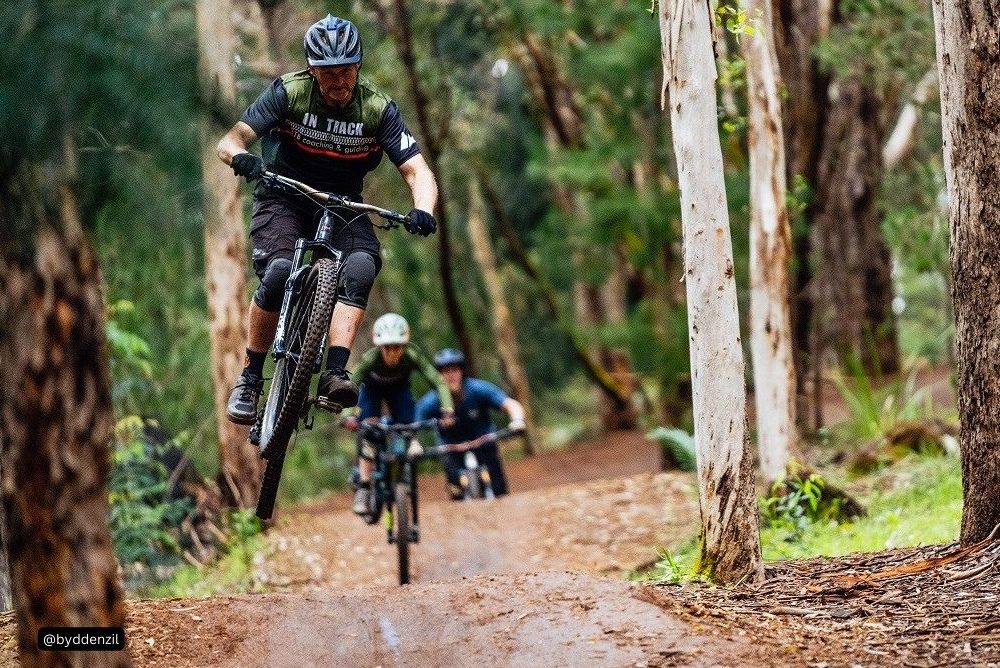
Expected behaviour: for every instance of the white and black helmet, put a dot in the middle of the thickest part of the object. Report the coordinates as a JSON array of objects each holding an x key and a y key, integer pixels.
[
  {"x": 332, "y": 41},
  {"x": 391, "y": 329}
]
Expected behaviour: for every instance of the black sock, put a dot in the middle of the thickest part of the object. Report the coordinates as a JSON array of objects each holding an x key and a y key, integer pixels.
[
  {"x": 337, "y": 357},
  {"x": 254, "y": 363},
  {"x": 365, "y": 484}
]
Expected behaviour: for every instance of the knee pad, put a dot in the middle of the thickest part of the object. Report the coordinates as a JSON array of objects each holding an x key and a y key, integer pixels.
[
  {"x": 272, "y": 284},
  {"x": 357, "y": 275}
]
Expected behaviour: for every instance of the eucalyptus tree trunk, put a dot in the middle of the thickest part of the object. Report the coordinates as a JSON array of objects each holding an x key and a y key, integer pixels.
[
  {"x": 55, "y": 416},
  {"x": 283, "y": 26},
  {"x": 798, "y": 25},
  {"x": 842, "y": 295},
  {"x": 730, "y": 540},
  {"x": 770, "y": 253},
  {"x": 225, "y": 251},
  {"x": 504, "y": 329},
  {"x": 903, "y": 136},
  {"x": 968, "y": 55},
  {"x": 853, "y": 292}
]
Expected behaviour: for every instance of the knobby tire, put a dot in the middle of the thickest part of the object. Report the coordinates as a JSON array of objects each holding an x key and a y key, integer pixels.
[
  {"x": 402, "y": 521},
  {"x": 474, "y": 486},
  {"x": 310, "y": 323}
]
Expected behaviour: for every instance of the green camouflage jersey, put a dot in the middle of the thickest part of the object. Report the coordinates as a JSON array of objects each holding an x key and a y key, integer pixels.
[
  {"x": 330, "y": 149},
  {"x": 373, "y": 370}
]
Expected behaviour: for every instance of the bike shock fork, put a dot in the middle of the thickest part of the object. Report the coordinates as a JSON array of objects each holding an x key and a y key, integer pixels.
[{"x": 413, "y": 493}]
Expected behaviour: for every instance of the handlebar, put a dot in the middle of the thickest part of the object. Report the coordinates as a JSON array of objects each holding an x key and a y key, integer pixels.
[
  {"x": 498, "y": 435},
  {"x": 406, "y": 429},
  {"x": 271, "y": 178}
]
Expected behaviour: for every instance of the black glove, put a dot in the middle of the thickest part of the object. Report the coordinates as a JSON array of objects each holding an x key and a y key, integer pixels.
[
  {"x": 247, "y": 165},
  {"x": 421, "y": 223}
]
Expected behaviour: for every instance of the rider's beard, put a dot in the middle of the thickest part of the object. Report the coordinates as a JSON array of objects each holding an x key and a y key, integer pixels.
[{"x": 338, "y": 98}]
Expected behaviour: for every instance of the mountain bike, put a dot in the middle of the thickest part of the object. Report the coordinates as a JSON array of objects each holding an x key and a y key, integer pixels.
[
  {"x": 474, "y": 478},
  {"x": 394, "y": 484},
  {"x": 303, "y": 323}
]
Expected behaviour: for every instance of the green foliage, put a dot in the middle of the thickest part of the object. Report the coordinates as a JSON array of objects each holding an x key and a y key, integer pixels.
[
  {"x": 918, "y": 502},
  {"x": 876, "y": 406},
  {"x": 888, "y": 42},
  {"x": 796, "y": 501},
  {"x": 736, "y": 20},
  {"x": 678, "y": 443},
  {"x": 144, "y": 519},
  {"x": 232, "y": 573}
]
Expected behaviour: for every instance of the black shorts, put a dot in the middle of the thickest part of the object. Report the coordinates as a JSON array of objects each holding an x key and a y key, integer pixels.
[{"x": 279, "y": 221}]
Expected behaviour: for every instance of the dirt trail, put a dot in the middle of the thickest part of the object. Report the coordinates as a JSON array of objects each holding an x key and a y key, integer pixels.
[
  {"x": 493, "y": 581},
  {"x": 551, "y": 618}
]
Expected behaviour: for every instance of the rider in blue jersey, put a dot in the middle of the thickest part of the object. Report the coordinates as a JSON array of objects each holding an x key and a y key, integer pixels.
[{"x": 474, "y": 399}]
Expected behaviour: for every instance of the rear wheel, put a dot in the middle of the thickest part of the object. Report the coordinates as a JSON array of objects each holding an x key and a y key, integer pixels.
[
  {"x": 402, "y": 521},
  {"x": 308, "y": 326}
]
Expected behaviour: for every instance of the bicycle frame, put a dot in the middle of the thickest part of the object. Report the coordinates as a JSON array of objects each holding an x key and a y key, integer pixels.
[
  {"x": 322, "y": 241},
  {"x": 394, "y": 465}
]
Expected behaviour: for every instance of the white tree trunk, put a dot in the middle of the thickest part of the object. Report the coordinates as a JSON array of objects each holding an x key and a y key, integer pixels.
[
  {"x": 730, "y": 537},
  {"x": 225, "y": 251},
  {"x": 770, "y": 252},
  {"x": 900, "y": 142}
]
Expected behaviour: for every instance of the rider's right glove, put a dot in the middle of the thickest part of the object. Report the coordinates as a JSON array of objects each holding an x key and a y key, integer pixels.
[
  {"x": 421, "y": 223},
  {"x": 248, "y": 166}
]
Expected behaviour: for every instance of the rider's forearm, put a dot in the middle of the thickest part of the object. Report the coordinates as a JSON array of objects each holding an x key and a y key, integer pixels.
[
  {"x": 235, "y": 141},
  {"x": 420, "y": 179}
]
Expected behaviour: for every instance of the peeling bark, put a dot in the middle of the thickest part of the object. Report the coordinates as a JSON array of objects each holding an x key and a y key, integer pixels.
[
  {"x": 968, "y": 55},
  {"x": 770, "y": 254},
  {"x": 55, "y": 418},
  {"x": 730, "y": 548},
  {"x": 225, "y": 254}
]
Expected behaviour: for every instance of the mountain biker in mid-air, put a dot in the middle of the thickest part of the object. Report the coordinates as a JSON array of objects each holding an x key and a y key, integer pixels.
[
  {"x": 329, "y": 127},
  {"x": 473, "y": 400},
  {"x": 384, "y": 376}
]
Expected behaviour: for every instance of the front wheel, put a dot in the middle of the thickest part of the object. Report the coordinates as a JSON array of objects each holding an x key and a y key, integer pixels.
[
  {"x": 309, "y": 323},
  {"x": 474, "y": 484},
  {"x": 402, "y": 521}
]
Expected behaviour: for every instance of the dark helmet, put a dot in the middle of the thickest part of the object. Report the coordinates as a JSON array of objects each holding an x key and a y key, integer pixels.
[
  {"x": 449, "y": 357},
  {"x": 332, "y": 41}
]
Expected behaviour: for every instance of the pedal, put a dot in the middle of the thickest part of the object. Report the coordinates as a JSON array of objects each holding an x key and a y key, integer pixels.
[
  {"x": 255, "y": 434},
  {"x": 415, "y": 534},
  {"x": 390, "y": 537}
]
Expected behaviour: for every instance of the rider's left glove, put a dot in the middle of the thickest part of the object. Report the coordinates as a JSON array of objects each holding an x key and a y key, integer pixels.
[
  {"x": 421, "y": 222},
  {"x": 517, "y": 425},
  {"x": 248, "y": 166}
]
